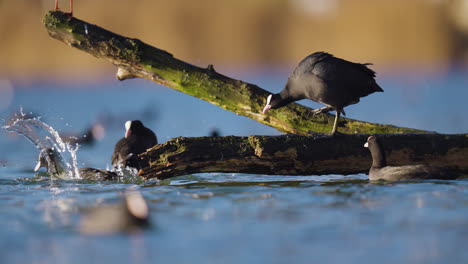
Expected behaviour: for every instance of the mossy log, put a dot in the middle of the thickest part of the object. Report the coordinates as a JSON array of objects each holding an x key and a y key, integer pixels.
[
  {"x": 137, "y": 59},
  {"x": 300, "y": 155}
]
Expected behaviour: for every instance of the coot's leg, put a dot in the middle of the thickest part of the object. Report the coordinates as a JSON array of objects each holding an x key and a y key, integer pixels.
[
  {"x": 335, "y": 125},
  {"x": 71, "y": 7},
  {"x": 322, "y": 110}
]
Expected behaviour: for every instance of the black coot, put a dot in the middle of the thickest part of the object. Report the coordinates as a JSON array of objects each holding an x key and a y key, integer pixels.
[
  {"x": 332, "y": 81},
  {"x": 49, "y": 159},
  {"x": 137, "y": 140},
  {"x": 93, "y": 174},
  {"x": 380, "y": 171}
]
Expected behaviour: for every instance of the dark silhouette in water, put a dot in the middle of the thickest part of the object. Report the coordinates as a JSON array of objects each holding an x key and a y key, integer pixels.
[
  {"x": 49, "y": 159},
  {"x": 380, "y": 171},
  {"x": 130, "y": 215},
  {"x": 87, "y": 138},
  {"x": 137, "y": 140},
  {"x": 325, "y": 79}
]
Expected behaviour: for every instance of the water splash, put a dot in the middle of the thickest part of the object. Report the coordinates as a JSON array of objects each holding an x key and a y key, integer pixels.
[{"x": 44, "y": 137}]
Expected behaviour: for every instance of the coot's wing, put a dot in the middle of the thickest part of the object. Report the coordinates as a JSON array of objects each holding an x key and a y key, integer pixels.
[
  {"x": 115, "y": 157},
  {"x": 328, "y": 67},
  {"x": 309, "y": 65},
  {"x": 119, "y": 147},
  {"x": 335, "y": 71},
  {"x": 416, "y": 172},
  {"x": 97, "y": 174},
  {"x": 150, "y": 137}
]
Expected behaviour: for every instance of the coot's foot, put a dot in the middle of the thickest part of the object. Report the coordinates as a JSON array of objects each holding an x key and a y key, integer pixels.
[
  {"x": 337, "y": 134},
  {"x": 322, "y": 110},
  {"x": 56, "y": 8}
]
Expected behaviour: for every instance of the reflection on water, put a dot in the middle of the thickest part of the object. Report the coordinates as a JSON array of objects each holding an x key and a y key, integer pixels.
[{"x": 250, "y": 221}]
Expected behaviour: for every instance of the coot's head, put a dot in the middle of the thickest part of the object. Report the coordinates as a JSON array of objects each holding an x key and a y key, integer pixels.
[
  {"x": 370, "y": 141},
  {"x": 51, "y": 160},
  {"x": 46, "y": 156},
  {"x": 133, "y": 127},
  {"x": 273, "y": 102},
  {"x": 41, "y": 163},
  {"x": 137, "y": 207},
  {"x": 377, "y": 153}
]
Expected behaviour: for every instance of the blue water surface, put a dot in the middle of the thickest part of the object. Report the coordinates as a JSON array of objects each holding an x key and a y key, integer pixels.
[{"x": 223, "y": 217}]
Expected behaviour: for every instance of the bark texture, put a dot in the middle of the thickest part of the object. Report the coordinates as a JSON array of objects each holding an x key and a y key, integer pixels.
[{"x": 300, "y": 155}]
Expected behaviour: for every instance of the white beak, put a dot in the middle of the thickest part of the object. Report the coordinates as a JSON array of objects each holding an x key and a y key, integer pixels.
[
  {"x": 366, "y": 145},
  {"x": 267, "y": 106},
  {"x": 128, "y": 124},
  {"x": 38, "y": 166},
  {"x": 136, "y": 204}
]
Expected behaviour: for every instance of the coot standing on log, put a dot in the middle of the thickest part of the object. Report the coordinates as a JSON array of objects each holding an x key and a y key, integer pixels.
[
  {"x": 380, "y": 171},
  {"x": 137, "y": 140},
  {"x": 325, "y": 79}
]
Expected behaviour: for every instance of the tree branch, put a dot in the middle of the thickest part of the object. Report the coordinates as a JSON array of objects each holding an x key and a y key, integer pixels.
[
  {"x": 137, "y": 59},
  {"x": 300, "y": 155}
]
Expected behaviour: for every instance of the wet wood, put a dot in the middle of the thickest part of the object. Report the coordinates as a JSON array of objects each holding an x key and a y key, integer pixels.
[
  {"x": 134, "y": 58},
  {"x": 319, "y": 154}
]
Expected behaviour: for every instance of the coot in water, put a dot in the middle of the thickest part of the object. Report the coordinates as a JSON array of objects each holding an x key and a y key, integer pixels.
[
  {"x": 130, "y": 215},
  {"x": 87, "y": 137},
  {"x": 325, "y": 79},
  {"x": 48, "y": 158},
  {"x": 380, "y": 171},
  {"x": 137, "y": 140}
]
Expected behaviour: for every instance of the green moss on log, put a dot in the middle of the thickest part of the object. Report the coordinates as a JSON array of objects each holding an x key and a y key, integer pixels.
[{"x": 138, "y": 59}]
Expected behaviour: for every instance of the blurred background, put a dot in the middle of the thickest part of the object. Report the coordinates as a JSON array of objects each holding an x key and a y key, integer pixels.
[
  {"x": 430, "y": 34},
  {"x": 419, "y": 49}
]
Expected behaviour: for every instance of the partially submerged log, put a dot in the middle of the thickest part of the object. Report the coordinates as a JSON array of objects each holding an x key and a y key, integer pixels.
[
  {"x": 317, "y": 154},
  {"x": 300, "y": 155},
  {"x": 137, "y": 59}
]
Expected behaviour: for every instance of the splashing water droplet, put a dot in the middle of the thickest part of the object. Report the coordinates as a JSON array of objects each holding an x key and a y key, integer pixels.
[{"x": 44, "y": 137}]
